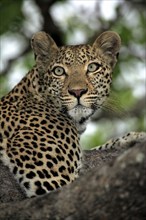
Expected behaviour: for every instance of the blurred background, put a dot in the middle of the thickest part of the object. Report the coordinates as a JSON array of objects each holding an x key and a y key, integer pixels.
[{"x": 78, "y": 22}]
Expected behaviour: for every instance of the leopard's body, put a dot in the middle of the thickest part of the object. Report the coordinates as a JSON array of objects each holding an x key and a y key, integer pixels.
[{"x": 42, "y": 117}]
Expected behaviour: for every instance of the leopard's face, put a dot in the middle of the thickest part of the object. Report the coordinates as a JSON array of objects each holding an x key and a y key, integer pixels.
[{"x": 79, "y": 78}]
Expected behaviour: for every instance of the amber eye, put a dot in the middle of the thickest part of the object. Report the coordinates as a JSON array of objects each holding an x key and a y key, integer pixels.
[
  {"x": 92, "y": 67},
  {"x": 58, "y": 71}
]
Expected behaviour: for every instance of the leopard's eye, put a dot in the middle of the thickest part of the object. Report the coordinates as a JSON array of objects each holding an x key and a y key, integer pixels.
[
  {"x": 92, "y": 67},
  {"x": 58, "y": 71}
]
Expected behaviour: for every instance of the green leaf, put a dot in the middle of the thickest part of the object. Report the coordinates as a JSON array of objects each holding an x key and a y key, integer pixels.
[{"x": 11, "y": 15}]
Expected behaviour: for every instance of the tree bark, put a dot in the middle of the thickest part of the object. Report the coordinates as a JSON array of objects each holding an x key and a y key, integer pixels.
[{"x": 112, "y": 187}]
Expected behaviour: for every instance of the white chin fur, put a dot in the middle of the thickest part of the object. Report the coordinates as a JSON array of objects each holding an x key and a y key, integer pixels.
[{"x": 80, "y": 112}]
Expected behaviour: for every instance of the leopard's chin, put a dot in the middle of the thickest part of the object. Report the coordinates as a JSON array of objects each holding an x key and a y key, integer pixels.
[{"x": 80, "y": 114}]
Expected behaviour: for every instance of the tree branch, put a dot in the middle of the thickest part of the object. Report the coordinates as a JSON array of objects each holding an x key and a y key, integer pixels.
[{"x": 110, "y": 192}]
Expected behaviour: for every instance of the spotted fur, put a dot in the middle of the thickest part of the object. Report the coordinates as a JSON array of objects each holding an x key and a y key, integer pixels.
[{"x": 42, "y": 117}]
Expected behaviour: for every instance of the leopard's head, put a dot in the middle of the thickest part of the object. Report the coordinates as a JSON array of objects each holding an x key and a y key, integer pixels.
[{"x": 78, "y": 76}]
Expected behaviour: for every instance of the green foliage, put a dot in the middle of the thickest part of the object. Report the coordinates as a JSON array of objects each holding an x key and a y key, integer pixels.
[
  {"x": 93, "y": 140},
  {"x": 4, "y": 88},
  {"x": 124, "y": 98},
  {"x": 28, "y": 61},
  {"x": 11, "y": 15},
  {"x": 141, "y": 122}
]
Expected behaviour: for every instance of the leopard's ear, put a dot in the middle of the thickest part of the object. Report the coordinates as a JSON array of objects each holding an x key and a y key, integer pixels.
[
  {"x": 109, "y": 42},
  {"x": 43, "y": 45}
]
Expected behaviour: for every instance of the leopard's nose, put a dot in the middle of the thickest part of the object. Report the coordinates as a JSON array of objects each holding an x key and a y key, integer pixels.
[{"x": 77, "y": 92}]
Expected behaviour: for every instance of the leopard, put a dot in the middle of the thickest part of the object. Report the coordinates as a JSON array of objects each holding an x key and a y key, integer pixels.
[{"x": 44, "y": 115}]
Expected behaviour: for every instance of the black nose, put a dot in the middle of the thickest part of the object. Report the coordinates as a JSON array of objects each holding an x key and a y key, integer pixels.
[{"x": 77, "y": 92}]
